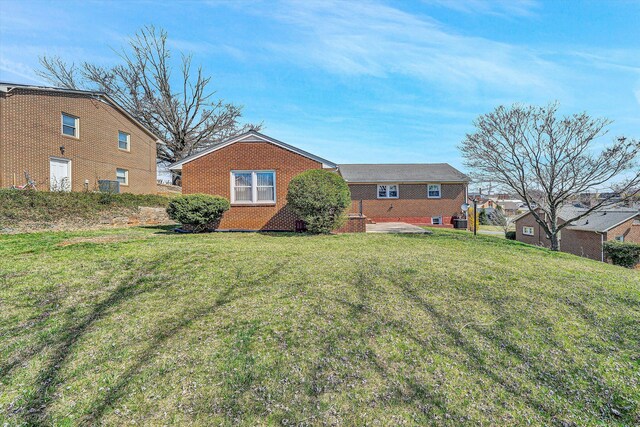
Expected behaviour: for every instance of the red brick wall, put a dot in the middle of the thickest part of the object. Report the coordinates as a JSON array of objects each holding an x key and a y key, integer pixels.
[
  {"x": 30, "y": 133},
  {"x": 586, "y": 244},
  {"x": 627, "y": 229},
  {"x": 539, "y": 238},
  {"x": 412, "y": 206},
  {"x": 354, "y": 224},
  {"x": 582, "y": 243},
  {"x": 211, "y": 174}
]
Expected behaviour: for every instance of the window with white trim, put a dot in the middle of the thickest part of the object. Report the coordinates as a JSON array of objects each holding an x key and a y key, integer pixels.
[
  {"x": 122, "y": 176},
  {"x": 70, "y": 125},
  {"x": 433, "y": 191},
  {"x": 527, "y": 231},
  {"x": 253, "y": 187},
  {"x": 388, "y": 191},
  {"x": 123, "y": 140},
  {"x": 620, "y": 238},
  {"x": 436, "y": 220}
]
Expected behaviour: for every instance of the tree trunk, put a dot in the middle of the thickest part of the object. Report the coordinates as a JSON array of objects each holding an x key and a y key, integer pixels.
[{"x": 555, "y": 242}]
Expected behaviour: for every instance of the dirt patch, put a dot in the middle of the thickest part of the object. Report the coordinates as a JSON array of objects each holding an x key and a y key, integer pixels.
[{"x": 109, "y": 238}]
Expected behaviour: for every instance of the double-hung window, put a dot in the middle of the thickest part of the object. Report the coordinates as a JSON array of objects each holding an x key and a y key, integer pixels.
[
  {"x": 122, "y": 176},
  {"x": 433, "y": 191},
  {"x": 527, "y": 231},
  {"x": 123, "y": 140},
  {"x": 387, "y": 191},
  {"x": 70, "y": 125},
  {"x": 253, "y": 187}
]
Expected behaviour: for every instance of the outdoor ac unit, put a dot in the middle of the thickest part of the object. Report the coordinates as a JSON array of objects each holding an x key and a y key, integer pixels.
[{"x": 108, "y": 186}]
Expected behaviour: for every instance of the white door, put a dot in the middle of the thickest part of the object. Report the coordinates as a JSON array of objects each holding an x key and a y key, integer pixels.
[{"x": 60, "y": 175}]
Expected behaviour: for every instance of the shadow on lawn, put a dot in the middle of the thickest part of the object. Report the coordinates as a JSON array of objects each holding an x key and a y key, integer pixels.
[
  {"x": 575, "y": 381},
  {"x": 48, "y": 379},
  {"x": 239, "y": 288},
  {"x": 559, "y": 379}
]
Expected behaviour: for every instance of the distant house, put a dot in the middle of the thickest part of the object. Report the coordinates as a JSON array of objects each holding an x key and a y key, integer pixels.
[
  {"x": 69, "y": 140},
  {"x": 586, "y": 236},
  {"x": 253, "y": 171}
]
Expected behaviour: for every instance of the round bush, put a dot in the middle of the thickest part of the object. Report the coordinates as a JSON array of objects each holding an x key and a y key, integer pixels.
[
  {"x": 198, "y": 212},
  {"x": 320, "y": 198},
  {"x": 511, "y": 235}
]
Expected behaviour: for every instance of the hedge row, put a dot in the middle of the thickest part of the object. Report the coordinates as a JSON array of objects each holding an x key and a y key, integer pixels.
[{"x": 623, "y": 254}]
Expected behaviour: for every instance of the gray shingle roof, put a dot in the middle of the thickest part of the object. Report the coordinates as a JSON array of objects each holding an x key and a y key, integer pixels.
[
  {"x": 406, "y": 172},
  {"x": 603, "y": 220}
]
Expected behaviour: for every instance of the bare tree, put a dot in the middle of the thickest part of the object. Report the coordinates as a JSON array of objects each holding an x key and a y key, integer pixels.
[
  {"x": 548, "y": 160},
  {"x": 187, "y": 119},
  {"x": 500, "y": 219}
]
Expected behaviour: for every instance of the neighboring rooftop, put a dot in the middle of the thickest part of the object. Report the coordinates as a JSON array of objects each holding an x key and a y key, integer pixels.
[
  {"x": 404, "y": 172},
  {"x": 603, "y": 220},
  {"x": 600, "y": 220}
]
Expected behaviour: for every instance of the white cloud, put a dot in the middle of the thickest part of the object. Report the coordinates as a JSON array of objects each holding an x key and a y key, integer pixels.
[
  {"x": 15, "y": 72},
  {"x": 350, "y": 38},
  {"x": 505, "y": 8}
]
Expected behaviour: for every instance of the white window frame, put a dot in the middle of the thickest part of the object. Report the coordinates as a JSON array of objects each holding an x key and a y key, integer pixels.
[
  {"x": 128, "y": 141},
  {"x": 397, "y": 196},
  {"x": 439, "y": 191},
  {"x": 76, "y": 128},
  {"x": 438, "y": 218},
  {"x": 126, "y": 176},
  {"x": 620, "y": 238},
  {"x": 254, "y": 188},
  {"x": 528, "y": 231}
]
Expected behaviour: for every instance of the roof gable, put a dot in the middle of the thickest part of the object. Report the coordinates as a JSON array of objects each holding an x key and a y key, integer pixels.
[{"x": 252, "y": 136}]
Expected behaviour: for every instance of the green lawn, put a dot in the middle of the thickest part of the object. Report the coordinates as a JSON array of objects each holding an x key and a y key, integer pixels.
[{"x": 150, "y": 327}]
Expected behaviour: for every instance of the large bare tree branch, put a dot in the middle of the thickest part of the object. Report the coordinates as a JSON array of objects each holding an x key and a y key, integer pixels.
[
  {"x": 187, "y": 120},
  {"x": 549, "y": 160}
]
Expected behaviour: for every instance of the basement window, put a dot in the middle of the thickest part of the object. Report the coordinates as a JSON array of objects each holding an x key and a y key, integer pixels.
[
  {"x": 70, "y": 125},
  {"x": 253, "y": 187},
  {"x": 436, "y": 220}
]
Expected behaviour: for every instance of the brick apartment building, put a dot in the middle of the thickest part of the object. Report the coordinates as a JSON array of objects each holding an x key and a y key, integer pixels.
[
  {"x": 69, "y": 139},
  {"x": 253, "y": 171},
  {"x": 586, "y": 236}
]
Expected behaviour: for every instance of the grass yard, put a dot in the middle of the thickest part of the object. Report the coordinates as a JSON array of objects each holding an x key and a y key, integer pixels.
[{"x": 149, "y": 327}]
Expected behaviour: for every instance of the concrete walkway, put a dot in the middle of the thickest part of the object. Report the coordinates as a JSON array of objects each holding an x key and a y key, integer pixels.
[{"x": 395, "y": 227}]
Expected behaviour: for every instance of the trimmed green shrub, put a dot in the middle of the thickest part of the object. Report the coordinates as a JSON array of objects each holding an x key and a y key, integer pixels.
[
  {"x": 198, "y": 212},
  {"x": 623, "y": 254},
  {"x": 511, "y": 235},
  {"x": 320, "y": 198}
]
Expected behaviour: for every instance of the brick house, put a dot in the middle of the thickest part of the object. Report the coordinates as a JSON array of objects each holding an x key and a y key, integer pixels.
[
  {"x": 253, "y": 171},
  {"x": 425, "y": 194},
  {"x": 69, "y": 139},
  {"x": 586, "y": 236}
]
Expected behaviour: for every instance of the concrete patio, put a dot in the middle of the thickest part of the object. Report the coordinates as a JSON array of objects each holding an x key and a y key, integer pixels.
[{"x": 396, "y": 227}]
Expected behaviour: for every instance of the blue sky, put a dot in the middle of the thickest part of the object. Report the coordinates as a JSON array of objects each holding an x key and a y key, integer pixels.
[{"x": 365, "y": 81}]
